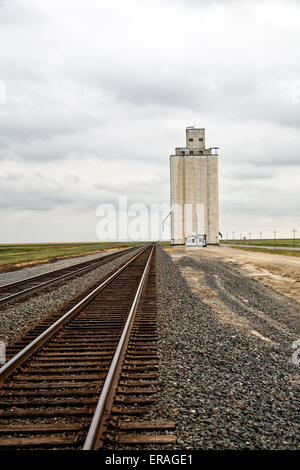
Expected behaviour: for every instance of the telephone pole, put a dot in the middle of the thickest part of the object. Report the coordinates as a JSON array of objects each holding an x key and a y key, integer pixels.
[{"x": 294, "y": 236}]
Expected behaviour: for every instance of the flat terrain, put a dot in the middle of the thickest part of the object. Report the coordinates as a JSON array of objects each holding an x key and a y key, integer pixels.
[
  {"x": 17, "y": 318},
  {"x": 19, "y": 255},
  {"x": 280, "y": 273},
  {"x": 269, "y": 250},
  {"x": 226, "y": 332},
  {"x": 215, "y": 272},
  {"x": 227, "y": 320},
  {"x": 280, "y": 242}
]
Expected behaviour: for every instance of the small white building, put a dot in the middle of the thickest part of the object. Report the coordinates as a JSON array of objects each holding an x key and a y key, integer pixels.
[{"x": 195, "y": 240}]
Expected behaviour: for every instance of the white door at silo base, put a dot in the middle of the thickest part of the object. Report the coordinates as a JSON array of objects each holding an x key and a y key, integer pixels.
[
  {"x": 191, "y": 240},
  {"x": 200, "y": 240}
]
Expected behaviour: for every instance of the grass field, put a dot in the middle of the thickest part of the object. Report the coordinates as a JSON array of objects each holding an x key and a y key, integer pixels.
[
  {"x": 286, "y": 252},
  {"x": 30, "y": 253},
  {"x": 285, "y": 242}
]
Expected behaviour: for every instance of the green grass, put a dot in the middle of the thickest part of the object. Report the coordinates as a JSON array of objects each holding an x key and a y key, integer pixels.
[
  {"x": 285, "y": 242},
  {"x": 271, "y": 252},
  {"x": 25, "y": 253}
]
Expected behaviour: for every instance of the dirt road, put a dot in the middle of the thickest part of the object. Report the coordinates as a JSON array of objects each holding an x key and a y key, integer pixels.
[
  {"x": 280, "y": 273},
  {"x": 215, "y": 274}
]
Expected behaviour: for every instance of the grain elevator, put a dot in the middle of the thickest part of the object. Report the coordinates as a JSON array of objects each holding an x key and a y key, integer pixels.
[{"x": 194, "y": 191}]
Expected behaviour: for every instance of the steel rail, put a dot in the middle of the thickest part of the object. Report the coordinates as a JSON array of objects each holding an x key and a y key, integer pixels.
[
  {"x": 26, "y": 352},
  {"x": 110, "y": 381},
  {"x": 52, "y": 281},
  {"x": 36, "y": 276}
]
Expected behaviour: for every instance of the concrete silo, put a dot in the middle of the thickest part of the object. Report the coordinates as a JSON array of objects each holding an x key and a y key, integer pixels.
[{"x": 194, "y": 190}]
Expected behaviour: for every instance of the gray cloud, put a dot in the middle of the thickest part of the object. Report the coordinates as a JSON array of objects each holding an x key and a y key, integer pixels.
[{"x": 99, "y": 94}]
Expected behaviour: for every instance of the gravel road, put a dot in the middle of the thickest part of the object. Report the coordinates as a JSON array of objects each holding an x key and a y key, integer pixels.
[
  {"x": 226, "y": 375},
  {"x": 16, "y": 319}
]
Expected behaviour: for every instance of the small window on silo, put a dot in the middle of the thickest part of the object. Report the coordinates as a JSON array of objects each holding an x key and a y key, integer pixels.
[
  {"x": 201, "y": 152},
  {"x": 191, "y": 140},
  {"x": 200, "y": 139},
  {"x": 182, "y": 152},
  {"x": 191, "y": 152}
]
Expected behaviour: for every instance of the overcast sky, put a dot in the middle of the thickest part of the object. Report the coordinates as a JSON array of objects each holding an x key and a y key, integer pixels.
[{"x": 95, "y": 95}]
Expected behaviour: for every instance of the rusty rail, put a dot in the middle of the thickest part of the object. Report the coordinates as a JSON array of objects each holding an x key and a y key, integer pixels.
[
  {"x": 21, "y": 357},
  {"x": 82, "y": 382},
  {"x": 61, "y": 274},
  {"x": 114, "y": 370}
]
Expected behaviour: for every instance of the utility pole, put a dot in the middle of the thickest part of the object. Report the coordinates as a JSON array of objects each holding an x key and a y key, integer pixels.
[
  {"x": 274, "y": 231},
  {"x": 260, "y": 235},
  {"x": 294, "y": 236}
]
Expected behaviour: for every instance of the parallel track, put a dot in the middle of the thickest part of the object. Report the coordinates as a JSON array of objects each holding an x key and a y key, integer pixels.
[
  {"x": 30, "y": 285},
  {"x": 77, "y": 383}
]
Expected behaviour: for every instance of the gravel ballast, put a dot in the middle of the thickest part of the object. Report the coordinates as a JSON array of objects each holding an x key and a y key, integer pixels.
[
  {"x": 17, "y": 318},
  {"x": 7, "y": 277},
  {"x": 225, "y": 387}
]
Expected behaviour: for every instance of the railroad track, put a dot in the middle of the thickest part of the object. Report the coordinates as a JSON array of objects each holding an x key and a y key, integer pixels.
[
  {"x": 30, "y": 285},
  {"x": 90, "y": 377}
]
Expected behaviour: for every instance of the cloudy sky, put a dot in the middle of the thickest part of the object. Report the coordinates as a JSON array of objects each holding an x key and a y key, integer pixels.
[{"x": 95, "y": 95}]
